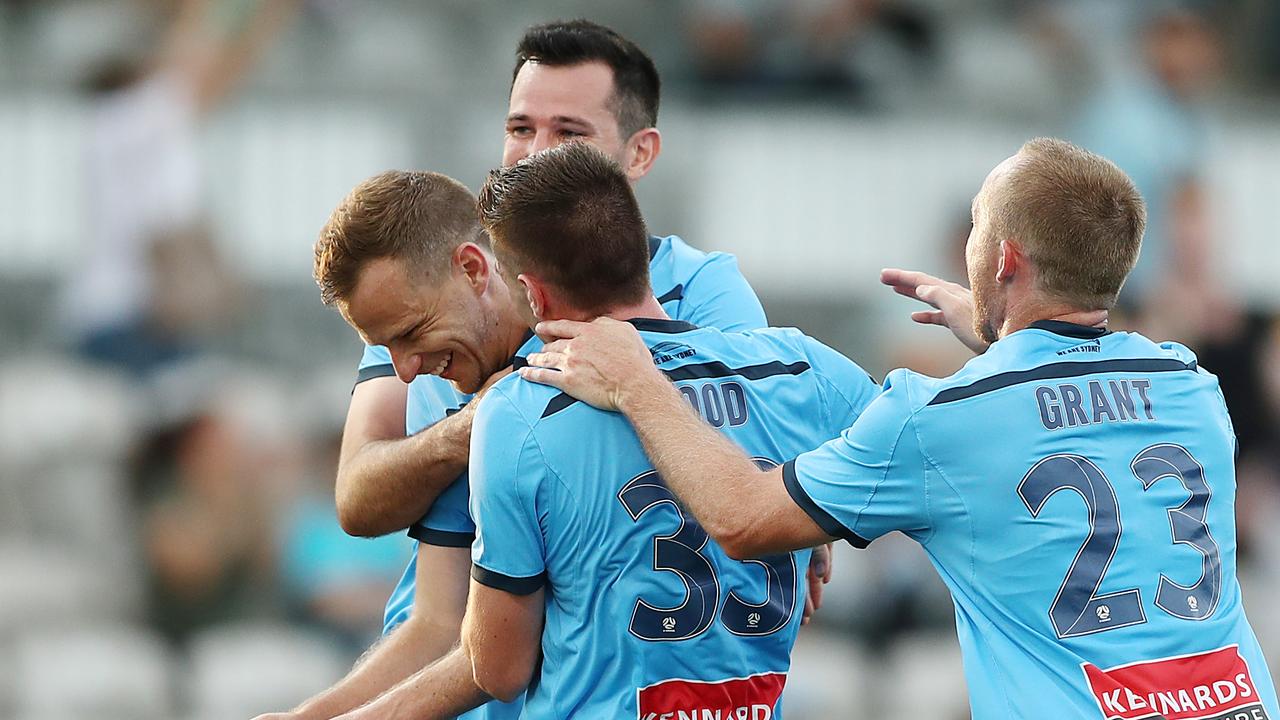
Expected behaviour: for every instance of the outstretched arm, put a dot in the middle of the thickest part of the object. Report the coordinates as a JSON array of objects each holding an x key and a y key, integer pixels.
[
  {"x": 212, "y": 67},
  {"x": 952, "y": 303},
  {"x": 748, "y": 511}
]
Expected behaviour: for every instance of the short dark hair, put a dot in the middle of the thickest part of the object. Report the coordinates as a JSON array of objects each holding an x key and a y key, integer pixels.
[
  {"x": 419, "y": 217},
  {"x": 636, "y": 86},
  {"x": 568, "y": 214},
  {"x": 1079, "y": 217}
]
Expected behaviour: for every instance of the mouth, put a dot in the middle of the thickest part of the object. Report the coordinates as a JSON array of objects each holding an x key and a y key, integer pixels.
[{"x": 443, "y": 367}]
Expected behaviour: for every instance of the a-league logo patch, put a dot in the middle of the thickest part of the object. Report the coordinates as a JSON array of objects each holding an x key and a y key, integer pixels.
[
  {"x": 1214, "y": 685},
  {"x": 751, "y": 698}
]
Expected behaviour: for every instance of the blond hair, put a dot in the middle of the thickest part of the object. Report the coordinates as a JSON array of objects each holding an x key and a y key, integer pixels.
[{"x": 1079, "y": 218}]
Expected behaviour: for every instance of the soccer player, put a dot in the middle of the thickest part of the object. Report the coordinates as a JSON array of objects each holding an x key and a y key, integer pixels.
[
  {"x": 405, "y": 446},
  {"x": 587, "y": 571},
  {"x": 1074, "y": 487}
]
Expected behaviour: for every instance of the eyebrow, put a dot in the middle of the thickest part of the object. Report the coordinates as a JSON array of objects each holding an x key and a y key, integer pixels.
[{"x": 566, "y": 119}]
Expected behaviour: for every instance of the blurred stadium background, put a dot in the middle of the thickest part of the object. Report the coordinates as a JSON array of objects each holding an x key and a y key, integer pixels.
[{"x": 171, "y": 389}]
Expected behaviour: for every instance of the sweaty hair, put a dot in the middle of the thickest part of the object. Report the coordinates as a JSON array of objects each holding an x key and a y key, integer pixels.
[
  {"x": 419, "y": 217},
  {"x": 568, "y": 216},
  {"x": 1079, "y": 218},
  {"x": 636, "y": 86}
]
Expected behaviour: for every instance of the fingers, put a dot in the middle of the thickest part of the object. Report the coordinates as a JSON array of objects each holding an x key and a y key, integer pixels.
[
  {"x": 929, "y": 317},
  {"x": 831, "y": 561},
  {"x": 555, "y": 346},
  {"x": 545, "y": 359},
  {"x": 561, "y": 328},
  {"x": 895, "y": 276},
  {"x": 808, "y": 610},
  {"x": 545, "y": 376}
]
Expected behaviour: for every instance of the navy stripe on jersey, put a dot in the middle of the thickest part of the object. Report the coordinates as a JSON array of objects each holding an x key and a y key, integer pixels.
[
  {"x": 655, "y": 244},
  {"x": 1054, "y": 371},
  {"x": 717, "y": 369},
  {"x": 829, "y": 524},
  {"x": 375, "y": 371},
  {"x": 675, "y": 293},
  {"x": 506, "y": 583},
  {"x": 441, "y": 538},
  {"x": 700, "y": 371}
]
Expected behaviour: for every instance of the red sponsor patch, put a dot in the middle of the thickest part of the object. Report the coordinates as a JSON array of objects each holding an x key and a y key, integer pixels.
[
  {"x": 1214, "y": 685},
  {"x": 751, "y": 698}
]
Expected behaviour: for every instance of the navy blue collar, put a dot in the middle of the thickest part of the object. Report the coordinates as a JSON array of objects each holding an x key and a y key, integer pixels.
[
  {"x": 655, "y": 243},
  {"x": 1072, "y": 330},
  {"x": 518, "y": 361},
  {"x": 662, "y": 326}
]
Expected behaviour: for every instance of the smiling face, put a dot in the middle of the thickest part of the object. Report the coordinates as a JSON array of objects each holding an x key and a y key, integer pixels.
[
  {"x": 447, "y": 326},
  {"x": 552, "y": 104}
]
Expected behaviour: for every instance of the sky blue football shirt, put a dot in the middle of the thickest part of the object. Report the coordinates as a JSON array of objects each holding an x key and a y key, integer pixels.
[
  {"x": 1075, "y": 490},
  {"x": 645, "y": 614}
]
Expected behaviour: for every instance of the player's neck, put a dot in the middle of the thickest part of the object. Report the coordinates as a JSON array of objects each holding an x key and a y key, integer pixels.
[
  {"x": 1024, "y": 317},
  {"x": 649, "y": 309}
]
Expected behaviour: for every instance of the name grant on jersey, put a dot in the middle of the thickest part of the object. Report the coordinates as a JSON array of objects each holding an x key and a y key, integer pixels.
[{"x": 1070, "y": 405}]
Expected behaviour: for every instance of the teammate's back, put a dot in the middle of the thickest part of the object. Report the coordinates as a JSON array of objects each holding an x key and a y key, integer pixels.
[
  {"x": 1077, "y": 495},
  {"x": 645, "y": 615}
]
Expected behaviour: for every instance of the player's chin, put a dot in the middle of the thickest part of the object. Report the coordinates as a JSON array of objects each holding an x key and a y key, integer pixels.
[{"x": 468, "y": 385}]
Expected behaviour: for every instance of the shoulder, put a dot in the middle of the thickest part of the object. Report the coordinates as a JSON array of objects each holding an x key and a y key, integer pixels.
[
  {"x": 688, "y": 260},
  {"x": 518, "y": 403}
]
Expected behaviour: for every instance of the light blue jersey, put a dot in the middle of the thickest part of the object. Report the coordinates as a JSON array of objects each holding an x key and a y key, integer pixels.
[
  {"x": 705, "y": 289},
  {"x": 645, "y": 615},
  {"x": 1075, "y": 489},
  {"x": 701, "y": 288}
]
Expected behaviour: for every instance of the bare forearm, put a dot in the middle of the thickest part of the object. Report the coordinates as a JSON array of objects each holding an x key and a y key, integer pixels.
[
  {"x": 405, "y": 651},
  {"x": 387, "y": 485},
  {"x": 441, "y": 690},
  {"x": 709, "y": 473}
]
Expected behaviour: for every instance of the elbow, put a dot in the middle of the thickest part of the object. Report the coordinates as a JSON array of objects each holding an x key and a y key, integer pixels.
[
  {"x": 735, "y": 535},
  {"x": 738, "y": 546},
  {"x": 354, "y": 518},
  {"x": 499, "y": 681},
  {"x": 353, "y": 523}
]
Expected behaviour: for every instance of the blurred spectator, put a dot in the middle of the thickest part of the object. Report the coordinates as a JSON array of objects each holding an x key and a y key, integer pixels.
[
  {"x": 331, "y": 580},
  {"x": 147, "y": 263},
  {"x": 1147, "y": 117},
  {"x": 206, "y": 518},
  {"x": 822, "y": 49}
]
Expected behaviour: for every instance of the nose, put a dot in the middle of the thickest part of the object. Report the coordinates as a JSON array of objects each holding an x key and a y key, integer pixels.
[
  {"x": 407, "y": 365},
  {"x": 543, "y": 140}
]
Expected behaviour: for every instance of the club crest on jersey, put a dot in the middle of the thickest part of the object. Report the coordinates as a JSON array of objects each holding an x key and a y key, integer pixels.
[
  {"x": 668, "y": 624},
  {"x": 1214, "y": 685}
]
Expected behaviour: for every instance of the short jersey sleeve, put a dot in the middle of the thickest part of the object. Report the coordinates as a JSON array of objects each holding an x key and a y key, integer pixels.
[
  {"x": 376, "y": 362},
  {"x": 871, "y": 479},
  {"x": 448, "y": 522},
  {"x": 718, "y": 296},
  {"x": 507, "y": 472},
  {"x": 846, "y": 388}
]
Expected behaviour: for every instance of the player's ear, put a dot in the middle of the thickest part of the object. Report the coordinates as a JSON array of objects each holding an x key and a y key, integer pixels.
[
  {"x": 642, "y": 150},
  {"x": 1009, "y": 262},
  {"x": 535, "y": 293},
  {"x": 473, "y": 264}
]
